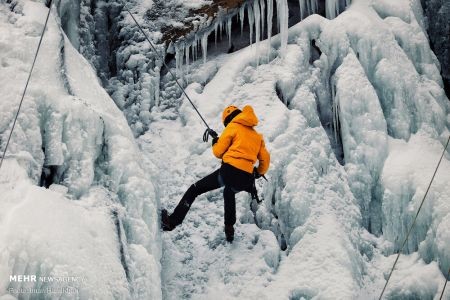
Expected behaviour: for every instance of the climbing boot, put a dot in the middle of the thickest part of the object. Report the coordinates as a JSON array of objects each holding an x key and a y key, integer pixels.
[
  {"x": 229, "y": 233},
  {"x": 166, "y": 223}
]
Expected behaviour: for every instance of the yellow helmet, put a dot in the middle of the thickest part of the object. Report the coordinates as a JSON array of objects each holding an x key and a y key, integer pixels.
[{"x": 227, "y": 113}]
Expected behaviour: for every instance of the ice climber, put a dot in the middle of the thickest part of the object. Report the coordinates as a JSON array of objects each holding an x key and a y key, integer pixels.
[{"x": 239, "y": 147}]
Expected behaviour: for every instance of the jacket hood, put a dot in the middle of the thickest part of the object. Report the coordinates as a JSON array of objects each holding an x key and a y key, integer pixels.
[{"x": 247, "y": 117}]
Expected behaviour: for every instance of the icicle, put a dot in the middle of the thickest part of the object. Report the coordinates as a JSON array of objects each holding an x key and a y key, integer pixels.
[
  {"x": 269, "y": 25},
  {"x": 251, "y": 21},
  {"x": 262, "y": 3},
  {"x": 229, "y": 32},
  {"x": 331, "y": 8},
  {"x": 302, "y": 5},
  {"x": 241, "y": 17},
  {"x": 178, "y": 59},
  {"x": 204, "y": 46},
  {"x": 257, "y": 12},
  {"x": 220, "y": 29},
  {"x": 283, "y": 18},
  {"x": 198, "y": 46},
  {"x": 215, "y": 34},
  {"x": 186, "y": 53},
  {"x": 194, "y": 48},
  {"x": 226, "y": 29},
  {"x": 314, "y": 6}
]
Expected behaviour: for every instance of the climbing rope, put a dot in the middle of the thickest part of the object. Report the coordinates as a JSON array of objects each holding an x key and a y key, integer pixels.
[
  {"x": 414, "y": 222},
  {"x": 171, "y": 73},
  {"x": 445, "y": 284},
  {"x": 26, "y": 85}
]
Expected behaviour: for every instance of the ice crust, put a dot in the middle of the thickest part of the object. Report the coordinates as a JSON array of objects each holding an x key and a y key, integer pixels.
[
  {"x": 99, "y": 218},
  {"x": 369, "y": 84},
  {"x": 363, "y": 85}
]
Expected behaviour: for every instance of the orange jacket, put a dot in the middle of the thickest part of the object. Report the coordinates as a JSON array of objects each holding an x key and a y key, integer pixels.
[{"x": 240, "y": 145}]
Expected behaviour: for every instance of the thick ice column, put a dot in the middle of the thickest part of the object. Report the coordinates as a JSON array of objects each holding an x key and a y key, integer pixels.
[
  {"x": 331, "y": 8},
  {"x": 187, "y": 54},
  {"x": 262, "y": 4},
  {"x": 204, "y": 46},
  {"x": 358, "y": 118},
  {"x": 229, "y": 31},
  {"x": 315, "y": 6},
  {"x": 302, "y": 6},
  {"x": 269, "y": 24},
  {"x": 195, "y": 48},
  {"x": 215, "y": 34},
  {"x": 241, "y": 17},
  {"x": 179, "y": 51},
  {"x": 256, "y": 10},
  {"x": 220, "y": 29},
  {"x": 251, "y": 21},
  {"x": 283, "y": 18}
]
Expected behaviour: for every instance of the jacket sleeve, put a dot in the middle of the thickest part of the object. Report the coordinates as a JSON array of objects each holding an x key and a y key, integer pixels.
[
  {"x": 224, "y": 142},
  {"x": 264, "y": 159}
]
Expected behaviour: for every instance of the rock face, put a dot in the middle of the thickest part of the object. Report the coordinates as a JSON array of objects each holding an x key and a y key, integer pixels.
[
  {"x": 191, "y": 19},
  {"x": 437, "y": 13}
]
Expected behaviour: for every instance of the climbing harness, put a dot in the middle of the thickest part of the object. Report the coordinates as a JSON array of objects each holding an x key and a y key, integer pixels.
[
  {"x": 414, "y": 223},
  {"x": 208, "y": 129},
  {"x": 26, "y": 85}
]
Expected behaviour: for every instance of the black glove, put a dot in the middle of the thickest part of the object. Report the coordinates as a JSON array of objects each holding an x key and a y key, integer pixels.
[
  {"x": 255, "y": 173},
  {"x": 212, "y": 133}
]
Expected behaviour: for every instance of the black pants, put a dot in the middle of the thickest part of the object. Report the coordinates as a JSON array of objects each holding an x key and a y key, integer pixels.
[{"x": 233, "y": 179}]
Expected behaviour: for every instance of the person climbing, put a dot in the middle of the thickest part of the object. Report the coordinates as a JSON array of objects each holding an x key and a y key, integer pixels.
[{"x": 239, "y": 147}]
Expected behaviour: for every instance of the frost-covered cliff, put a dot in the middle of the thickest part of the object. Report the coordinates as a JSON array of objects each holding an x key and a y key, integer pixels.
[
  {"x": 98, "y": 220},
  {"x": 351, "y": 103}
]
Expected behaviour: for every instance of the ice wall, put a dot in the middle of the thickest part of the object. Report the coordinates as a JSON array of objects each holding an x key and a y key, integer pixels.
[
  {"x": 307, "y": 203},
  {"x": 365, "y": 81},
  {"x": 69, "y": 123},
  {"x": 405, "y": 178},
  {"x": 108, "y": 38},
  {"x": 377, "y": 89},
  {"x": 383, "y": 54},
  {"x": 128, "y": 68},
  {"x": 363, "y": 131}
]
